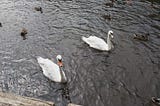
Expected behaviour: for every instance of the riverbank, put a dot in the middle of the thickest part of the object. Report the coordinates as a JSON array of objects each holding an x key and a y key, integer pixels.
[{"x": 9, "y": 99}]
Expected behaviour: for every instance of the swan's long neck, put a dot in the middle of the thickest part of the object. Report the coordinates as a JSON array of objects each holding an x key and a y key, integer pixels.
[
  {"x": 109, "y": 42},
  {"x": 62, "y": 75}
]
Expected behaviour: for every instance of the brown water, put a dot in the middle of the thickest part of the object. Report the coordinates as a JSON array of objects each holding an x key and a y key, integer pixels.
[{"x": 127, "y": 76}]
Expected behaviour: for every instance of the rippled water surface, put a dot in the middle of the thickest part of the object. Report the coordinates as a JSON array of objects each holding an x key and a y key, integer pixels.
[{"x": 129, "y": 75}]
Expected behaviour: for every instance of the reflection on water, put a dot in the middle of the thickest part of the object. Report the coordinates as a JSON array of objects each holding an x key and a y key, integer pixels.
[{"x": 127, "y": 76}]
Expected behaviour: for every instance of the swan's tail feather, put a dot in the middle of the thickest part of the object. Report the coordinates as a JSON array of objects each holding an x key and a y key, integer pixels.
[
  {"x": 40, "y": 60},
  {"x": 84, "y": 39}
]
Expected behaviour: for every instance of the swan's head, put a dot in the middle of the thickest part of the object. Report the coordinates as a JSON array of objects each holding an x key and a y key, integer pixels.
[
  {"x": 110, "y": 33},
  {"x": 59, "y": 60}
]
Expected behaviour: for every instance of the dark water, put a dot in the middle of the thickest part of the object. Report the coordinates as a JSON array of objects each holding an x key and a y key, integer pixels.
[{"x": 127, "y": 76}]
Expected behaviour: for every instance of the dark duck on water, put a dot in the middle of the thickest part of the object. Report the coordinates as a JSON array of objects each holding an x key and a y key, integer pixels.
[
  {"x": 110, "y": 4},
  {"x": 108, "y": 17},
  {"x": 23, "y": 33},
  {"x": 38, "y": 9},
  {"x": 142, "y": 37}
]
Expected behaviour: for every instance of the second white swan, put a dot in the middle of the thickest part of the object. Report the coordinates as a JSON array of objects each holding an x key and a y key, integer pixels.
[{"x": 98, "y": 43}]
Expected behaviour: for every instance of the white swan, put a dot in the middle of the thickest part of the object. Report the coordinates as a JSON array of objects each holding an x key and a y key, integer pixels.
[
  {"x": 99, "y": 43},
  {"x": 51, "y": 70}
]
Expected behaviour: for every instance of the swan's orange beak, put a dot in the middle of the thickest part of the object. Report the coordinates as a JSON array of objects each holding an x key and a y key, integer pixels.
[{"x": 60, "y": 63}]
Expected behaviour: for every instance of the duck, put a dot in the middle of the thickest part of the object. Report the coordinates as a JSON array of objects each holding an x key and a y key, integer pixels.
[
  {"x": 156, "y": 101},
  {"x": 107, "y": 17},
  {"x": 38, "y": 9},
  {"x": 52, "y": 70},
  {"x": 141, "y": 37},
  {"x": 98, "y": 43},
  {"x": 23, "y": 33},
  {"x": 109, "y": 4}
]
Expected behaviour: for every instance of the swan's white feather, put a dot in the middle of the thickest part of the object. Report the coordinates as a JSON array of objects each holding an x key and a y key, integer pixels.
[
  {"x": 96, "y": 43},
  {"x": 50, "y": 69}
]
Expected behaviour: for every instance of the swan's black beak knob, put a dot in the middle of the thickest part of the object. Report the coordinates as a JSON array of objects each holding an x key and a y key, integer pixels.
[{"x": 60, "y": 63}]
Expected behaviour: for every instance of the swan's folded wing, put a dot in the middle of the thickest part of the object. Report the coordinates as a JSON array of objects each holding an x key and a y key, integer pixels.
[
  {"x": 97, "y": 43},
  {"x": 50, "y": 69}
]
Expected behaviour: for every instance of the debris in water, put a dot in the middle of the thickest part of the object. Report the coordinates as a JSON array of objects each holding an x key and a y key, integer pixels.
[{"x": 0, "y": 24}]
